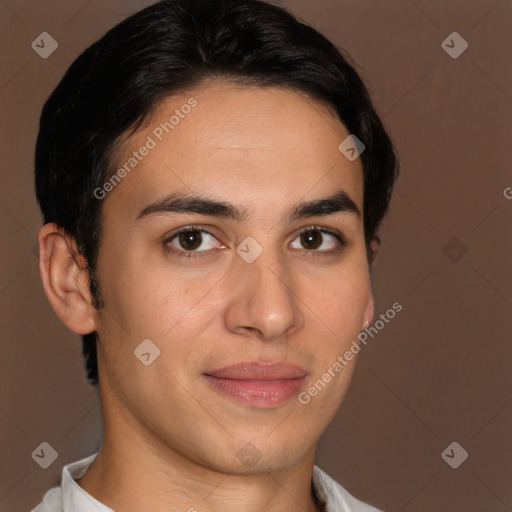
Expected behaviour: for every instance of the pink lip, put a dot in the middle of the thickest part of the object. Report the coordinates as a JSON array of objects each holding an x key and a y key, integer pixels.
[{"x": 257, "y": 384}]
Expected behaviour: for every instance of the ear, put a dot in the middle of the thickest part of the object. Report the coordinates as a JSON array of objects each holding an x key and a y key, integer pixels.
[
  {"x": 370, "y": 307},
  {"x": 375, "y": 246},
  {"x": 369, "y": 311},
  {"x": 65, "y": 279}
]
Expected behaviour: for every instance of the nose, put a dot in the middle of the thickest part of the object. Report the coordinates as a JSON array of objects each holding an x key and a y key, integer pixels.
[{"x": 264, "y": 302}]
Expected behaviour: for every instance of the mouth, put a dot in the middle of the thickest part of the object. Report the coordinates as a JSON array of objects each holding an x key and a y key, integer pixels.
[{"x": 256, "y": 384}]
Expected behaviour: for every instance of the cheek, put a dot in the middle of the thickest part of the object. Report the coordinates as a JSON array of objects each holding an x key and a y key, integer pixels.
[
  {"x": 154, "y": 300},
  {"x": 157, "y": 304},
  {"x": 160, "y": 300},
  {"x": 340, "y": 300},
  {"x": 341, "y": 308}
]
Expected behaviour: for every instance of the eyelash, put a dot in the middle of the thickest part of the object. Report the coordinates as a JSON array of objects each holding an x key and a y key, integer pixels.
[{"x": 199, "y": 254}]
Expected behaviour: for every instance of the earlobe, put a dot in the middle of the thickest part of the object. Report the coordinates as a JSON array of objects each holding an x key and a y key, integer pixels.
[
  {"x": 375, "y": 246},
  {"x": 65, "y": 280},
  {"x": 369, "y": 312}
]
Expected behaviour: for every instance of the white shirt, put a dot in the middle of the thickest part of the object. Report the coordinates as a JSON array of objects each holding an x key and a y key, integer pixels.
[{"x": 70, "y": 497}]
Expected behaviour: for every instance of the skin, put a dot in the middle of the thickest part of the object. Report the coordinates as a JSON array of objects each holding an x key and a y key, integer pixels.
[{"x": 170, "y": 440}]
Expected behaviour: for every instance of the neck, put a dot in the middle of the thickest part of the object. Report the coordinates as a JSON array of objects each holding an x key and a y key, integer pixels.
[
  {"x": 129, "y": 482},
  {"x": 135, "y": 472}
]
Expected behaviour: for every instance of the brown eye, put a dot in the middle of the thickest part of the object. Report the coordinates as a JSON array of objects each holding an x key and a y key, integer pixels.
[
  {"x": 318, "y": 240},
  {"x": 311, "y": 239},
  {"x": 190, "y": 240}
]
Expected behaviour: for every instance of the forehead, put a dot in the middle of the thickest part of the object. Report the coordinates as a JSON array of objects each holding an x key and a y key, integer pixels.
[{"x": 251, "y": 143}]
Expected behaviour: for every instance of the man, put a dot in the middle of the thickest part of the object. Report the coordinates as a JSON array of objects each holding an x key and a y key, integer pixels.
[{"x": 212, "y": 175}]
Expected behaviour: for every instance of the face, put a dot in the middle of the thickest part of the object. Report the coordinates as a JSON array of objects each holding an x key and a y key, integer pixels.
[{"x": 249, "y": 302}]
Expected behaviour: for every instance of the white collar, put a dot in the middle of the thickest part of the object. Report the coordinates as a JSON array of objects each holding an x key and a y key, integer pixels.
[{"x": 73, "y": 498}]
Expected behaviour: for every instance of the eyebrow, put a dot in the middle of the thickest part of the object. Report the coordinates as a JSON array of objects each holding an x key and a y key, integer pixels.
[{"x": 189, "y": 203}]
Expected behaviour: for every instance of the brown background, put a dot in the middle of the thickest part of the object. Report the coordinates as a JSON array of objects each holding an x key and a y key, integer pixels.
[{"x": 439, "y": 372}]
